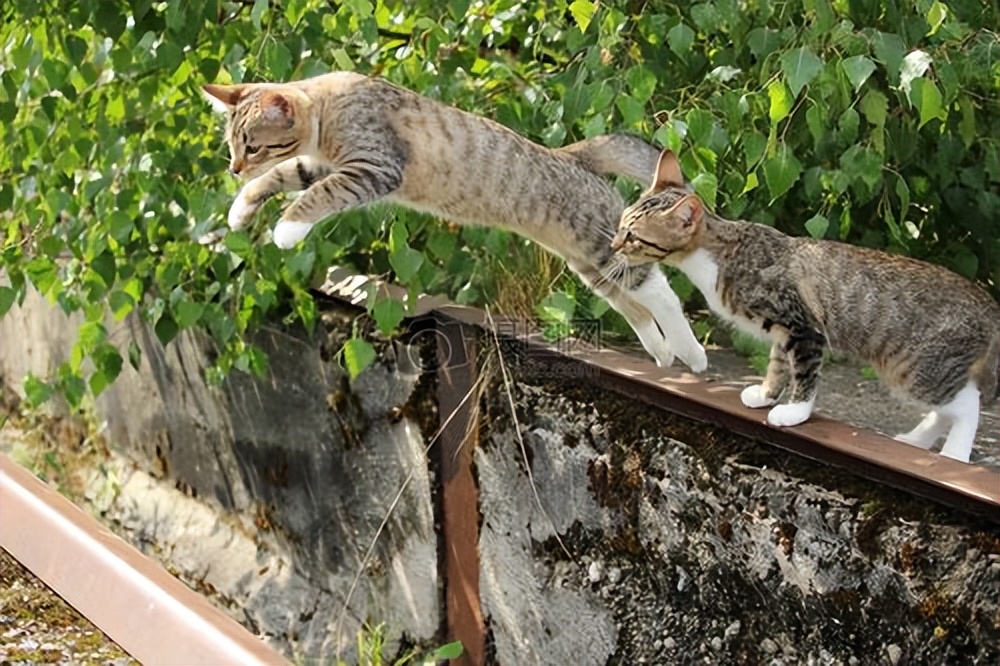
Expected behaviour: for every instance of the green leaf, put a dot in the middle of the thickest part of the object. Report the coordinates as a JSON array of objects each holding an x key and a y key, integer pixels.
[
  {"x": 36, "y": 390},
  {"x": 134, "y": 354},
  {"x": 76, "y": 49},
  {"x": 121, "y": 304},
  {"x": 166, "y": 329},
  {"x": 781, "y": 171},
  {"x": 296, "y": 9},
  {"x": 800, "y": 66},
  {"x": 875, "y": 106},
  {"x": 258, "y": 12},
  {"x": 301, "y": 263},
  {"x": 583, "y": 12},
  {"x": 358, "y": 355},
  {"x": 641, "y": 82},
  {"x": 858, "y": 69},
  {"x": 451, "y": 650},
  {"x": 557, "y": 308},
  {"x": 278, "y": 60},
  {"x": 7, "y": 298},
  {"x": 187, "y": 313},
  {"x": 903, "y": 192},
  {"x": 889, "y": 49},
  {"x": 388, "y": 313},
  {"x": 344, "y": 62},
  {"x": 936, "y": 16},
  {"x": 237, "y": 242},
  {"x": 781, "y": 101},
  {"x": 967, "y": 125},
  {"x": 926, "y": 97},
  {"x": 406, "y": 262},
  {"x": 817, "y": 226},
  {"x": 680, "y": 38},
  {"x": 706, "y": 185},
  {"x": 754, "y": 145}
]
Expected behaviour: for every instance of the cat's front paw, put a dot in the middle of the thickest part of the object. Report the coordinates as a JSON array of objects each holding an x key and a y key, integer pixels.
[
  {"x": 790, "y": 415},
  {"x": 240, "y": 212},
  {"x": 287, "y": 234},
  {"x": 754, "y": 397},
  {"x": 696, "y": 359}
]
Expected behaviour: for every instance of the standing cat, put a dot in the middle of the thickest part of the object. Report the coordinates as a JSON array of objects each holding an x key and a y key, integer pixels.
[
  {"x": 926, "y": 330},
  {"x": 349, "y": 140}
]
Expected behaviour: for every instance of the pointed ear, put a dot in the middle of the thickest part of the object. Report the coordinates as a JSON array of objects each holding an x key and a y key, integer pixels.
[
  {"x": 223, "y": 98},
  {"x": 277, "y": 109},
  {"x": 689, "y": 211},
  {"x": 668, "y": 172}
]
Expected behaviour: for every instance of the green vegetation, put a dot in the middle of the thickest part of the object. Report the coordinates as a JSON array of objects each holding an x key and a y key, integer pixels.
[
  {"x": 371, "y": 651},
  {"x": 872, "y": 122}
]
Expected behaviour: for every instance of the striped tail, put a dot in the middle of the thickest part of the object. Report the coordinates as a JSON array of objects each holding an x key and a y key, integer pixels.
[{"x": 618, "y": 154}]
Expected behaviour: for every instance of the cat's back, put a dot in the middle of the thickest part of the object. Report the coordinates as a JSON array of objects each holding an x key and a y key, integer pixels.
[{"x": 870, "y": 301}]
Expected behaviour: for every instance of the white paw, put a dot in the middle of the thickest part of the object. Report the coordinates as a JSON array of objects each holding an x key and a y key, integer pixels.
[
  {"x": 663, "y": 356},
  {"x": 696, "y": 360},
  {"x": 754, "y": 398},
  {"x": 919, "y": 441},
  {"x": 287, "y": 234},
  {"x": 240, "y": 212},
  {"x": 790, "y": 415},
  {"x": 961, "y": 454}
]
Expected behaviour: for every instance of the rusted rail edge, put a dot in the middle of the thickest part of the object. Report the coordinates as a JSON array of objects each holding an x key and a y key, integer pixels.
[
  {"x": 148, "y": 612},
  {"x": 869, "y": 454}
]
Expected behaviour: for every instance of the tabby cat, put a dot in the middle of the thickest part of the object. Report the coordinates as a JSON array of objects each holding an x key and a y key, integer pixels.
[
  {"x": 348, "y": 140},
  {"x": 926, "y": 330}
]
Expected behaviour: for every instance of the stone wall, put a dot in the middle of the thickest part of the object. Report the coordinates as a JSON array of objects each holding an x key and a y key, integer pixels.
[{"x": 682, "y": 544}]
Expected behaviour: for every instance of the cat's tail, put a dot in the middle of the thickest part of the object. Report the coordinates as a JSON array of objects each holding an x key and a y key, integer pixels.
[{"x": 617, "y": 154}]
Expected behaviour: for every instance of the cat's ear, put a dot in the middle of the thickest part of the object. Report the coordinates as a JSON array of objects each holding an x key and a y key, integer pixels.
[
  {"x": 668, "y": 172},
  {"x": 277, "y": 109},
  {"x": 689, "y": 211},
  {"x": 224, "y": 98}
]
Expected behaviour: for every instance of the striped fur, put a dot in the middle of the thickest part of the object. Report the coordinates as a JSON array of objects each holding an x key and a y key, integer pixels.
[
  {"x": 346, "y": 140},
  {"x": 928, "y": 332}
]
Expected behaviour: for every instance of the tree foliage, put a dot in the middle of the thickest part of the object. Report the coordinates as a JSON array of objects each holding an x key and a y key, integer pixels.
[{"x": 870, "y": 122}]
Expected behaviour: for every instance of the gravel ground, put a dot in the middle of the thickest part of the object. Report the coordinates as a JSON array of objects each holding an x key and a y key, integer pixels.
[{"x": 38, "y": 627}]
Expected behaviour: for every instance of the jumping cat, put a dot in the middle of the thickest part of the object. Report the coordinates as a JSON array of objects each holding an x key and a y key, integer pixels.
[
  {"x": 927, "y": 331},
  {"x": 349, "y": 140}
]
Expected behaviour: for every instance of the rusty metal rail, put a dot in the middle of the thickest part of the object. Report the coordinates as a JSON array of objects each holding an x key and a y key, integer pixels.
[{"x": 148, "y": 612}]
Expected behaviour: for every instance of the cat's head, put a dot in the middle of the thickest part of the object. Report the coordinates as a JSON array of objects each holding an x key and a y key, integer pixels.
[
  {"x": 668, "y": 218},
  {"x": 267, "y": 123}
]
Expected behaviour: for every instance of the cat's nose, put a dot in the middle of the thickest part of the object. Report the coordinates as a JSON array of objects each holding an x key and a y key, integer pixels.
[
  {"x": 235, "y": 167},
  {"x": 618, "y": 241}
]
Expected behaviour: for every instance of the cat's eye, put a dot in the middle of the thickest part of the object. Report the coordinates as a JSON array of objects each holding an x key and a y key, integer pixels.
[{"x": 250, "y": 150}]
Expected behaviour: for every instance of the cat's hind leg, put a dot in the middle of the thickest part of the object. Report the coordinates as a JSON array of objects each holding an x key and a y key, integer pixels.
[
  {"x": 928, "y": 431},
  {"x": 656, "y": 295},
  {"x": 775, "y": 381},
  {"x": 963, "y": 411}
]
